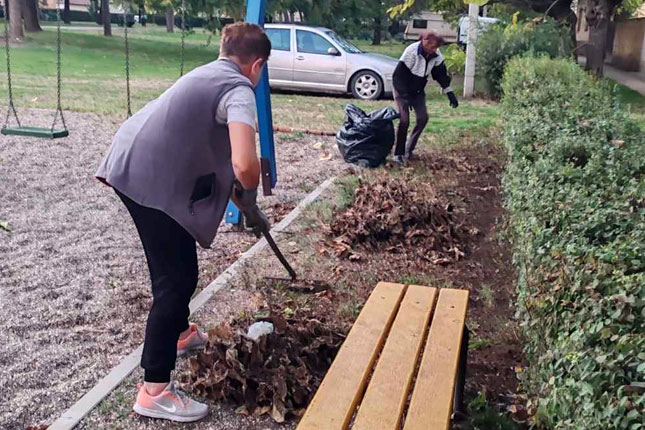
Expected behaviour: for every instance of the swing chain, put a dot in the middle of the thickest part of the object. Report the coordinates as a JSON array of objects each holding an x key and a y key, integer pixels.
[
  {"x": 183, "y": 35},
  {"x": 11, "y": 107},
  {"x": 127, "y": 59},
  {"x": 59, "y": 107}
]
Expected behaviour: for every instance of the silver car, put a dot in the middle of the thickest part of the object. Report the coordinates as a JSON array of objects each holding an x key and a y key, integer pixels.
[{"x": 317, "y": 59}]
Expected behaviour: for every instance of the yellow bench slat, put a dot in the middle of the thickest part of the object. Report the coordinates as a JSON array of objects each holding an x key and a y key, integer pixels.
[
  {"x": 335, "y": 401},
  {"x": 431, "y": 403},
  {"x": 387, "y": 392}
]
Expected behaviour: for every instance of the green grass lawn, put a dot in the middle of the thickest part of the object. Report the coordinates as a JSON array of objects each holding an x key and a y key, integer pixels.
[
  {"x": 633, "y": 101},
  {"x": 73, "y": 24},
  {"x": 393, "y": 48},
  {"x": 94, "y": 80}
]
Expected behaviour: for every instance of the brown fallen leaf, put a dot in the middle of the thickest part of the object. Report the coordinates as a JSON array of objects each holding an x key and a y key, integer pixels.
[
  {"x": 277, "y": 375},
  {"x": 221, "y": 331},
  {"x": 400, "y": 215},
  {"x": 325, "y": 156}
]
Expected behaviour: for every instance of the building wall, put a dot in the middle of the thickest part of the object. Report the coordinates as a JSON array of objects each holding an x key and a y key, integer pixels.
[
  {"x": 628, "y": 44},
  {"x": 81, "y": 5},
  {"x": 642, "y": 62}
]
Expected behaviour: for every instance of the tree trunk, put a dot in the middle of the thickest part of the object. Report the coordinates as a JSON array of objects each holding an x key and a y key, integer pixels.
[
  {"x": 170, "y": 20},
  {"x": 573, "y": 25},
  {"x": 66, "y": 13},
  {"x": 107, "y": 18},
  {"x": 378, "y": 29},
  {"x": 16, "y": 33},
  {"x": 598, "y": 14},
  {"x": 597, "y": 48},
  {"x": 30, "y": 14}
]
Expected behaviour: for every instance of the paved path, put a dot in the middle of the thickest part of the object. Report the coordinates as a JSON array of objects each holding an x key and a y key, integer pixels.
[
  {"x": 633, "y": 80},
  {"x": 82, "y": 28}
]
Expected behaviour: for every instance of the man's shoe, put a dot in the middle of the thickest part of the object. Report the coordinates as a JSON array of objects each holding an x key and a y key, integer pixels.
[
  {"x": 398, "y": 159},
  {"x": 171, "y": 404},
  {"x": 410, "y": 156},
  {"x": 195, "y": 340}
]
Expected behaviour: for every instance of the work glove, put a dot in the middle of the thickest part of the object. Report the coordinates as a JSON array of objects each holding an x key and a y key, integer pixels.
[
  {"x": 453, "y": 99},
  {"x": 246, "y": 201}
]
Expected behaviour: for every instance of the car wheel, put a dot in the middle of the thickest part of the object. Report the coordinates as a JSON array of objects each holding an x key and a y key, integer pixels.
[{"x": 366, "y": 85}]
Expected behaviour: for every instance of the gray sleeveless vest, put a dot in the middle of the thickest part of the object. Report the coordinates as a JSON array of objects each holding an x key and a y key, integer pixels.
[{"x": 173, "y": 156}]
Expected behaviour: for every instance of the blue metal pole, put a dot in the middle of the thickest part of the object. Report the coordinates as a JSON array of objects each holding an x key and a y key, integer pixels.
[{"x": 255, "y": 13}]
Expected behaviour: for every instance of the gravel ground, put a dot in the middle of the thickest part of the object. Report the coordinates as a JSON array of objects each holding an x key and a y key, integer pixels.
[
  {"x": 74, "y": 287},
  {"x": 115, "y": 412}
]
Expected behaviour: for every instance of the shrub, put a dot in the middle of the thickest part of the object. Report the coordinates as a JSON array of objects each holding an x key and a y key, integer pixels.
[
  {"x": 455, "y": 58},
  {"x": 498, "y": 44},
  {"x": 575, "y": 190}
]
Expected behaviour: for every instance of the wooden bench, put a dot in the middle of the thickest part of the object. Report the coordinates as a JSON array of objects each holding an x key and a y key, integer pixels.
[{"x": 376, "y": 381}]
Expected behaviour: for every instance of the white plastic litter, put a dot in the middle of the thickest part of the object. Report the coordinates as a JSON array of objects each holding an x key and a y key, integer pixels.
[{"x": 259, "y": 329}]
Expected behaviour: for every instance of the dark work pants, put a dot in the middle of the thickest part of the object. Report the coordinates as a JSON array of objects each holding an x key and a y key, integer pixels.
[
  {"x": 404, "y": 104},
  {"x": 172, "y": 260}
]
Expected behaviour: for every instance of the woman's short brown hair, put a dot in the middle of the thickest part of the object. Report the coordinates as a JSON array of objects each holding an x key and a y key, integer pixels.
[
  {"x": 248, "y": 42},
  {"x": 433, "y": 37}
]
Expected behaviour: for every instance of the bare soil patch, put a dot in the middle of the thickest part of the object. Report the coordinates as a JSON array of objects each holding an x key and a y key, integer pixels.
[
  {"x": 465, "y": 177},
  {"x": 460, "y": 200}
]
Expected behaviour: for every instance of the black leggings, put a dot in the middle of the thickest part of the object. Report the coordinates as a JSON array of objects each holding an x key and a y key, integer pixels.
[{"x": 172, "y": 260}]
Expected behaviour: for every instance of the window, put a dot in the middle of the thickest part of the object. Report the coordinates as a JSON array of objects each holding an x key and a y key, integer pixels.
[
  {"x": 420, "y": 23},
  {"x": 312, "y": 43},
  {"x": 346, "y": 45},
  {"x": 280, "y": 38}
]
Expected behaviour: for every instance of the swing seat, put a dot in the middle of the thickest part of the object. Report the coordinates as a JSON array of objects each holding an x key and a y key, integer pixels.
[{"x": 35, "y": 132}]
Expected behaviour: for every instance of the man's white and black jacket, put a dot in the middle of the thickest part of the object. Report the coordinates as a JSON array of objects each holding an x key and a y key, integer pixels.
[{"x": 411, "y": 73}]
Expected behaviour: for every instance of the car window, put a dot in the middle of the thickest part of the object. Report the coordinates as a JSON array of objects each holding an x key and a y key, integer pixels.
[
  {"x": 280, "y": 38},
  {"x": 344, "y": 43},
  {"x": 312, "y": 43}
]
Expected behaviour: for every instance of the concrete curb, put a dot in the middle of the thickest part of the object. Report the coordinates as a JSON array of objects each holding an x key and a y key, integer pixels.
[{"x": 82, "y": 407}]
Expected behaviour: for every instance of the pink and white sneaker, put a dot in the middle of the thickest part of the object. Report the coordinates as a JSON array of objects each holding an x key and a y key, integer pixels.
[
  {"x": 171, "y": 404},
  {"x": 195, "y": 340}
]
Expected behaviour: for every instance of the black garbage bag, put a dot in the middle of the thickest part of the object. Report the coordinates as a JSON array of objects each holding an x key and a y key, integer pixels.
[{"x": 366, "y": 139}]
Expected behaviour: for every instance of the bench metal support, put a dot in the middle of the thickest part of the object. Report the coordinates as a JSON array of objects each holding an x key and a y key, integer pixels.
[{"x": 459, "y": 408}]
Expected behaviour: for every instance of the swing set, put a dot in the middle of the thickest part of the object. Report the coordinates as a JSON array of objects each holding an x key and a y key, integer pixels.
[
  {"x": 52, "y": 132},
  {"x": 256, "y": 10},
  {"x": 22, "y": 130}
]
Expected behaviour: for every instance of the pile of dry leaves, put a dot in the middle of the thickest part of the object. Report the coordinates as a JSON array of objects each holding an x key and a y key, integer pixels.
[
  {"x": 400, "y": 215},
  {"x": 277, "y": 374}
]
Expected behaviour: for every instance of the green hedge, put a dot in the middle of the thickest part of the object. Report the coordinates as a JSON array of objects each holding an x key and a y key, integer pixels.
[
  {"x": 74, "y": 15},
  {"x": 576, "y": 194},
  {"x": 499, "y": 43}
]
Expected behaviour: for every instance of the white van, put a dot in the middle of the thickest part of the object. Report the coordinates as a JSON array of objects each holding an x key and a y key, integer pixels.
[
  {"x": 483, "y": 22},
  {"x": 426, "y": 21}
]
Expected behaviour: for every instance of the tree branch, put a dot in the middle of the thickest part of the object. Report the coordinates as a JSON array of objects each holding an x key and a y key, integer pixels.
[{"x": 549, "y": 9}]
